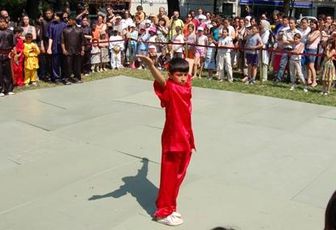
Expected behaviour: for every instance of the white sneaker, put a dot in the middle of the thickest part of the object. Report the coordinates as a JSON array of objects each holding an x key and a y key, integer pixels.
[
  {"x": 11, "y": 93},
  {"x": 170, "y": 220},
  {"x": 305, "y": 90},
  {"x": 292, "y": 88},
  {"x": 178, "y": 215},
  {"x": 2, "y": 94}
]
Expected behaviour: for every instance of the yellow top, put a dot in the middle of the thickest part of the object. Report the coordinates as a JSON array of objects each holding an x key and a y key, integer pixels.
[{"x": 31, "y": 52}]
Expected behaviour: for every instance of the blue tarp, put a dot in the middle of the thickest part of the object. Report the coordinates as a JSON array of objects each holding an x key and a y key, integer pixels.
[{"x": 298, "y": 4}]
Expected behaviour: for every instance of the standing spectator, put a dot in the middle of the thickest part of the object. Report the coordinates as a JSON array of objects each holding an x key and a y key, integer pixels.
[
  {"x": 128, "y": 19},
  {"x": 175, "y": 22},
  {"x": 104, "y": 51},
  {"x": 73, "y": 49},
  {"x": 100, "y": 27},
  {"x": 288, "y": 39},
  {"x": 110, "y": 14},
  {"x": 140, "y": 14},
  {"x": 6, "y": 46},
  {"x": 210, "y": 63},
  {"x": 18, "y": 58},
  {"x": 162, "y": 32},
  {"x": 132, "y": 37},
  {"x": 31, "y": 52},
  {"x": 191, "y": 41},
  {"x": 312, "y": 43},
  {"x": 116, "y": 47},
  {"x": 6, "y": 16},
  {"x": 86, "y": 65},
  {"x": 95, "y": 56},
  {"x": 265, "y": 36},
  {"x": 253, "y": 43},
  {"x": 188, "y": 22},
  {"x": 27, "y": 28},
  {"x": 55, "y": 31},
  {"x": 199, "y": 14},
  {"x": 223, "y": 62},
  {"x": 179, "y": 40},
  {"x": 328, "y": 73},
  {"x": 200, "y": 51},
  {"x": 295, "y": 67},
  {"x": 163, "y": 15},
  {"x": 45, "y": 58}
]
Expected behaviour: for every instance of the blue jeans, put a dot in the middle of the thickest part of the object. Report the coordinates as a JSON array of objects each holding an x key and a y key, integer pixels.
[{"x": 282, "y": 68}]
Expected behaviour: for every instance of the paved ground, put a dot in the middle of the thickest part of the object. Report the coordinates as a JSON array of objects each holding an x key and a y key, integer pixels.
[{"x": 71, "y": 158}]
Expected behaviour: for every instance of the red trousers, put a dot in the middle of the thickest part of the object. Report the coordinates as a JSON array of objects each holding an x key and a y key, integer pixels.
[{"x": 173, "y": 170}]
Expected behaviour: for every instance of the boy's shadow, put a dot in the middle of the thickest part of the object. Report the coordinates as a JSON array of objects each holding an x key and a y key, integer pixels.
[{"x": 139, "y": 187}]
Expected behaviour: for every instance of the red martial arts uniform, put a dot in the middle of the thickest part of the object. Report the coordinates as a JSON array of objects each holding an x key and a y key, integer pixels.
[
  {"x": 18, "y": 63},
  {"x": 177, "y": 142}
]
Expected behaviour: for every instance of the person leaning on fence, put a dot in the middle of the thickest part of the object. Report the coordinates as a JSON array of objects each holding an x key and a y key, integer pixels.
[
  {"x": 104, "y": 51},
  {"x": 223, "y": 62},
  {"x": 295, "y": 67},
  {"x": 328, "y": 69},
  {"x": 252, "y": 46},
  {"x": 200, "y": 51},
  {"x": 132, "y": 37},
  {"x": 178, "y": 41},
  {"x": 210, "y": 62}
]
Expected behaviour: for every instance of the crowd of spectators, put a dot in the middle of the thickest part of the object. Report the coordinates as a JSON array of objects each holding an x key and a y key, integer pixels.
[{"x": 60, "y": 47}]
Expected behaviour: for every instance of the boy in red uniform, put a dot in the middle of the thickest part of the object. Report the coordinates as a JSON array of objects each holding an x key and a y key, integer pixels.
[{"x": 177, "y": 137}]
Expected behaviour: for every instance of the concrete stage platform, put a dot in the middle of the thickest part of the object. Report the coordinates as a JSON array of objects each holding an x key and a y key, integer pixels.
[{"x": 72, "y": 158}]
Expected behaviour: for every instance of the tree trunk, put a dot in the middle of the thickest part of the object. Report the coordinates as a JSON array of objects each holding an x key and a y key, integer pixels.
[
  {"x": 32, "y": 8},
  {"x": 172, "y": 6},
  {"x": 287, "y": 5}
]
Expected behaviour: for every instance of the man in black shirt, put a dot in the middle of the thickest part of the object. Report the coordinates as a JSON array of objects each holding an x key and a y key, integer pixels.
[
  {"x": 73, "y": 49},
  {"x": 45, "y": 58},
  {"x": 7, "y": 44},
  {"x": 86, "y": 62}
]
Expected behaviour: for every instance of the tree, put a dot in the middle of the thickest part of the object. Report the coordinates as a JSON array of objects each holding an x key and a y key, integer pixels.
[{"x": 286, "y": 5}]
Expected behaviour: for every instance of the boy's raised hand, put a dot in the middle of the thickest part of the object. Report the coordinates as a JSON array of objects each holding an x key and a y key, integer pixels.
[{"x": 146, "y": 60}]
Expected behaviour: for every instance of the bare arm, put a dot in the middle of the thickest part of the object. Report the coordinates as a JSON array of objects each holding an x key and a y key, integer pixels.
[{"x": 157, "y": 75}]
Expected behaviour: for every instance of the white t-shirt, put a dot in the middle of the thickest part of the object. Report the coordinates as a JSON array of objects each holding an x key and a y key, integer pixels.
[
  {"x": 178, "y": 39},
  {"x": 227, "y": 41}
]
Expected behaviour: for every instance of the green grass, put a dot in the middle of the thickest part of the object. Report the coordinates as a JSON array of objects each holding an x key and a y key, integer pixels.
[{"x": 266, "y": 89}]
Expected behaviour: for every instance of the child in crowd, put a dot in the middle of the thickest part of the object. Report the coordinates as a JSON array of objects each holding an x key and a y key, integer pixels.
[
  {"x": 253, "y": 43},
  {"x": 132, "y": 37},
  {"x": 18, "y": 57},
  {"x": 177, "y": 136},
  {"x": 328, "y": 72},
  {"x": 295, "y": 67},
  {"x": 200, "y": 51},
  {"x": 104, "y": 52},
  {"x": 142, "y": 44},
  {"x": 165, "y": 57},
  {"x": 210, "y": 63},
  {"x": 116, "y": 47},
  {"x": 152, "y": 47},
  {"x": 225, "y": 44},
  {"x": 95, "y": 56},
  {"x": 178, "y": 38},
  {"x": 31, "y": 62}
]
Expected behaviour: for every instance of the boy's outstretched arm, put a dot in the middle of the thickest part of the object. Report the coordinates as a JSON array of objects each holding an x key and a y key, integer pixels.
[
  {"x": 191, "y": 64},
  {"x": 157, "y": 75}
]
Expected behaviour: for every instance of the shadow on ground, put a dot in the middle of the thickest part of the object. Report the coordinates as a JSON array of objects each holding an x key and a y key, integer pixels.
[{"x": 143, "y": 190}]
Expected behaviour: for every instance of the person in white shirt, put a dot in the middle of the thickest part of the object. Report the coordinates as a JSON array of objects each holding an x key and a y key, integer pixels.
[
  {"x": 295, "y": 67},
  {"x": 116, "y": 46},
  {"x": 265, "y": 34},
  {"x": 224, "y": 56},
  {"x": 288, "y": 39},
  {"x": 178, "y": 38}
]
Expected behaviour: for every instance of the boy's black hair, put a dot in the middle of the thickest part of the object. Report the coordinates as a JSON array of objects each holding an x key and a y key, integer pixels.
[
  {"x": 28, "y": 35},
  {"x": 330, "y": 214},
  {"x": 59, "y": 14},
  {"x": 178, "y": 65},
  {"x": 18, "y": 29}
]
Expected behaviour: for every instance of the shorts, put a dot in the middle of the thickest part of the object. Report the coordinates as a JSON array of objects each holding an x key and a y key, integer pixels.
[
  {"x": 310, "y": 58},
  {"x": 252, "y": 59}
]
